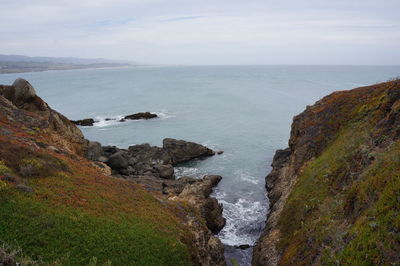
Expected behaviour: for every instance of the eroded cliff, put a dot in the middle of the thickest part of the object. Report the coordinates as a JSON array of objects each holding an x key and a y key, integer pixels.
[{"x": 335, "y": 192}]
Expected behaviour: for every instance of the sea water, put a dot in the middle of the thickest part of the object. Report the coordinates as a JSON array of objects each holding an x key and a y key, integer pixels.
[{"x": 246, "y": 111}]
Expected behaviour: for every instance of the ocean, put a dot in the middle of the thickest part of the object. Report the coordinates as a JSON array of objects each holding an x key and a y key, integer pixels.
[{"x": 246, "y": 111}]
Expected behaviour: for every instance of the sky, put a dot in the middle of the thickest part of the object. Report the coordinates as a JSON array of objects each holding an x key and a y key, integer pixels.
[{"x": 206, "y": 32}]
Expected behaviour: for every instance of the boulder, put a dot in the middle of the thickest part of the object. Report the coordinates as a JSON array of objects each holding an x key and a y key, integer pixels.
[
  {"x": 141, "y": 115},
  {"x": 182, "y": 151},
  {"x": 24, "y": 92},
  {"x": 165, "y": 171},
  {"x": 94, "y": 151},
  {"x": 88, "y": 122},
  {"x": 147, "y": 154},
  {"x": 118, "y": 161}
]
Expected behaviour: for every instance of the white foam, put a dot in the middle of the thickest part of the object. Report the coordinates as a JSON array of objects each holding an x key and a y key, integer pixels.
[
  {"x": 188, "y": 171},
  {"x": 246, "y": 177},
  {"x": 108, "y": 121},
  {"x": 163, "y": 114},
  {"x": 243, "y": 220},
  {"x": 101, "y": 121}
]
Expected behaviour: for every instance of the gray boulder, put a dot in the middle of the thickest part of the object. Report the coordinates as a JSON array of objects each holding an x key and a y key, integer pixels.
[
  {"x": 183, "y": 151},
  {"x": 94, "y": 151},
  {"x": 165, "y": 171},
  {"x": 24, "y": 92},
  {"x": 118, "y": 161}
]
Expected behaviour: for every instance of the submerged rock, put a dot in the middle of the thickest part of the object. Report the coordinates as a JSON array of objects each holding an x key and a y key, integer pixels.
[{"x": 141, "y": 115}]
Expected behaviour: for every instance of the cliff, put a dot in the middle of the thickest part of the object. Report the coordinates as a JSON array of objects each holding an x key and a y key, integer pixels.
[
  {"x": 61, "y": 208},
  {"x": 335, "y": 192}
]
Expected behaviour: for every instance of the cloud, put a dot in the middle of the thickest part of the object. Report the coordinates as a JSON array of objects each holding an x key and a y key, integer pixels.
[{"x": 205, "y": 32}]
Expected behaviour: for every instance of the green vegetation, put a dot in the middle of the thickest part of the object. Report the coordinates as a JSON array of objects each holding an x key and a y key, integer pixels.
[
  {"x": 345, "y": 207},
  {"x": 76, "y": 216},
  {"x": 75, "y": 237},
  {"x": 3, "y": 168}
]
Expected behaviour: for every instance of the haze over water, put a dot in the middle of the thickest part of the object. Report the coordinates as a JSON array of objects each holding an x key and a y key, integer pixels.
[{"x": 244, "y": 110}]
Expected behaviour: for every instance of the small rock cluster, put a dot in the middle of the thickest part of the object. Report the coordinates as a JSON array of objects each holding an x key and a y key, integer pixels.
[
  {"x": 146, "y": 160},
  {"x": 87, "y": 122}
]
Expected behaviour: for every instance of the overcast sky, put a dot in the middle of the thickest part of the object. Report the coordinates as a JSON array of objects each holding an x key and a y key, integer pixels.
[{"x": 205, "y": 31}]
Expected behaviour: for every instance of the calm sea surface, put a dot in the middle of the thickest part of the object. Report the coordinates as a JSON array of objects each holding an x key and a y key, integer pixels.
[{"x": 244, "y": 110}]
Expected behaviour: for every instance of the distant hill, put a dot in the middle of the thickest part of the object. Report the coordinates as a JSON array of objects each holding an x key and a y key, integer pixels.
[{"x": 21, "y": 63}]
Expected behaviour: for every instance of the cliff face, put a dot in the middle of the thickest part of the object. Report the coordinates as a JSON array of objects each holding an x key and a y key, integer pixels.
[
  {"x": 59, "y": 207},
  {"x": 335, "y": 192}
]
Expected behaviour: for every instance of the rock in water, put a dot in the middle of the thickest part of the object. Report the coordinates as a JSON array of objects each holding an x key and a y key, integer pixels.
[
  {"x": 141, "y": 115},
  {"x": 183, "y": 151},
  {"x": 84, "y": 122}
]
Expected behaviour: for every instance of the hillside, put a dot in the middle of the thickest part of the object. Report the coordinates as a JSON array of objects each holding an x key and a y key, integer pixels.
[
  {"x": 59, "y": 208},
  {"x": 20, "y": 63},
  {"x": 335, "y": 192}
]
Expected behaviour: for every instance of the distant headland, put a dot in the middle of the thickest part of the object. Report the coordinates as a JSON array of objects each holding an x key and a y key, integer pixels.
[{"x": 20, "y": 63}]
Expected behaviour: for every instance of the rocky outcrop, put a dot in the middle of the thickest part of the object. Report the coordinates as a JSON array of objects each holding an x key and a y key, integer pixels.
[
  {"x": 141, "y": 115},
  {"x": 195, "y": 193},
  {"x": 87, "y": 122},
  {"x": 333, "y": 147},
  {"x": 182, "y": 151},
  {"x": 143, "y": 159},
  {"x": 58, "y": 129},
  {"x": 198, "y": 193},
  {"x": 152, "y": 167}
]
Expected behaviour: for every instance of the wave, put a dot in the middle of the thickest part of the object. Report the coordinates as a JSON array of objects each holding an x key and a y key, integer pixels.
[
  {"x": 244, "y": 220},
  {"x": 246, "y": 177},
  {"x": 188, "y": 171}
]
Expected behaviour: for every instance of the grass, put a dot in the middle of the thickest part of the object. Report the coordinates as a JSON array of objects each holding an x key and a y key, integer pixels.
[
  {"x": 77, "y": 216},
  {"x": 4, "y": 169},
  {"x": 75, "y": 237}
]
